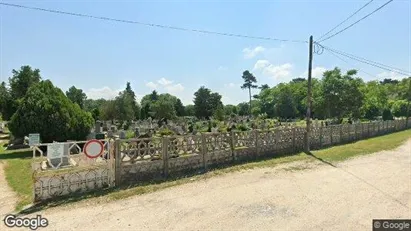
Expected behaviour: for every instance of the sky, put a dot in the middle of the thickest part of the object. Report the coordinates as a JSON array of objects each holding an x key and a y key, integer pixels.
[{"x": 101, "y": 56}]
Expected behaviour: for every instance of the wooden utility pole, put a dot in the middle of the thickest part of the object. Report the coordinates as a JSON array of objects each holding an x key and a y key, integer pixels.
[{"x": 310, "y": 64}]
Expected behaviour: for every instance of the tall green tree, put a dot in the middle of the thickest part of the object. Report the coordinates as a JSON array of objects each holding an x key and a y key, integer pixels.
[
  {"x": 76, "y": 96},
  {"x": 179, "y": 108},
  {"x": 7, "y": 104},
  {"x": 23, "y": 79},
  {"x": 206, "y": 102},
  {"x": 46, "y": 110},
  {"x": 249, "y": 80}
]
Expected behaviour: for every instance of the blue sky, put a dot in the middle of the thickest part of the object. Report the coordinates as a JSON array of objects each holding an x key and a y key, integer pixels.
[{"x": 100, "y": 56}]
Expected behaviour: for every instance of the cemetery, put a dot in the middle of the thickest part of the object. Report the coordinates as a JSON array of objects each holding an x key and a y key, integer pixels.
[{"x": 153, "y": 149}]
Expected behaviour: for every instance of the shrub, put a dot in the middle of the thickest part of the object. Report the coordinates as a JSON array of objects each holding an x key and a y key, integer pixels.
[
  {"x": 387, "y": 115},
  {"x": 46, "y": 110},
  {"x": 242, "y": 127},
  {"x": 165, "y": 132},
  {"x": 399, "y": 108}
]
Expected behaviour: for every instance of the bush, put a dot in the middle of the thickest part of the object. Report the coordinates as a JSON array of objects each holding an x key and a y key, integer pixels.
[
  {"x": 242, "y": 127},
  {"x": 399, "y": 108},
  {"x": 165, "y": 132},
  {"x": 46, "y": 110},
  {"x": 387, "y": 115}
]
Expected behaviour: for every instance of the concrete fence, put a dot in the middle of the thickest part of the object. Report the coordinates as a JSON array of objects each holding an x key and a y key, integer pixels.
[{"x": 130, "y": 161}]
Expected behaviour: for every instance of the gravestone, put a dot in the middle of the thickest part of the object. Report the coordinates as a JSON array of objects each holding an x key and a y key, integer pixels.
[
  {"x": 113, "y": 128},
  {"x": 97, "y": 127},
  {"x": 122, "y": 134},
  {"x": 58, "y": 154},
  {"x": 110, "y": 134},
  {"x": 136, "y": 132}
]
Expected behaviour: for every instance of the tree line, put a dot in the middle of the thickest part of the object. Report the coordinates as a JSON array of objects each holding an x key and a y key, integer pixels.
[{"x": 32, "y": 104}]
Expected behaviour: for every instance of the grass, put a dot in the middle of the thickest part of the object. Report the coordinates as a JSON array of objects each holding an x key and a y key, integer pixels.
[{"x": 18, "y": 171}]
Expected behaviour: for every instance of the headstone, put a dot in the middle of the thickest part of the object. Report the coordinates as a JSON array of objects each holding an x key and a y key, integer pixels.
[
  {"x": 122, "y": 134},
  {"x": 136, "y": 132},
  {"x": 110, "y": 134},
  {"x": 58, "y": 154},
  {"x": 97, "y": 128},
  {"x": 34, "y": 139},
  {"x": 113, "y": 128}
]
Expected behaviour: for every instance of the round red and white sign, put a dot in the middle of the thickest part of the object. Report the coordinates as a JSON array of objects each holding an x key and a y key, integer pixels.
[{"x": 93, "y": 148}]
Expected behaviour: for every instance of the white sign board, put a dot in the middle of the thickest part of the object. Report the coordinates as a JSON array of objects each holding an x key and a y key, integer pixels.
[
  {"x": 55, "y": 151},
  {"x": 34, "y": 139}
]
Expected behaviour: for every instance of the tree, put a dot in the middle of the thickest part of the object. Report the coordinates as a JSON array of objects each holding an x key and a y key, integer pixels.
[
  {"x": 230, "y": 109},
  {"x": 179, "y": 108},
  {"x": 136, "y": 106},
  {"x": 341, "y": 94},
  {"x": 285, "y": 106},
  {"x": 7, "y": 104},
  {"x": 22, "y": 80},
  {"x": 249, "y": 79},
  {"x": 189, "y": 110},
  {"x": 219, "y": 113},
  {"x": 399, "y": 108},
  {"x": 264, "y": 86},
  {"x": 108, "y": 110},
  {"x": 125, "y": 106},
  {"x": 243, "y": 109},
  {"x": 76, "y": 96},
  {"x": 375, "y": 99},
  {"x": 205, "y": 102},
  {"x": 46, "y": 110},
  {"x": 164, "y": 108}
]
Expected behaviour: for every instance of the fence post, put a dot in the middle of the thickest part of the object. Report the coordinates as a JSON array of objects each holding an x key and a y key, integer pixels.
[
  {"x": 368, "y": 130},
  {"x": 232, "y": 146},
  {"x": 331, "y": 134},
  {"x": 256, "y": 143},
  {"x": 165, "y": 156},
  {"x": 321, "y": 136},
  {"x": 294, "y": 147},
  {"x": 341, "y": 133},
  {"x": 117, "y": 166},
  {"x": 204, "y": 151}
]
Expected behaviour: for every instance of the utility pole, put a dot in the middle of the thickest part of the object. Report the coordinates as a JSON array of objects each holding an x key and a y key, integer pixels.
[{"x": 310, "y": 64}]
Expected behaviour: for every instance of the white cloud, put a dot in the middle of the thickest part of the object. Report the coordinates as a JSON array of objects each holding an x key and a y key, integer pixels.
[
  {"x": 261, "y": 64},
  {"x": 390, "y": 75},
  {"x": 252, "y": 52},
  {"x": 164, "y": 82},
  {"x": 174, "y": 88},
  {"x": 102, "y": 93},
  {"x": 151, "y": 85},
  {"x": 317, "y": 72},
  {"x": 270, "y": 70}
]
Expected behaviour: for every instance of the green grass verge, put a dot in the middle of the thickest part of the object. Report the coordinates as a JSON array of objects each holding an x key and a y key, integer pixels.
[{"x": 18, "y": 170}]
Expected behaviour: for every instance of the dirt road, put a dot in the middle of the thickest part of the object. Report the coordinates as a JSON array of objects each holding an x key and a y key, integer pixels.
[
  {"x": 7, "y": 196},
  {"x": 345, "y": 197}
]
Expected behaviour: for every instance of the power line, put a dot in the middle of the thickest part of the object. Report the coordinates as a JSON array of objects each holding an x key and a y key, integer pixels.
[
  {"x": 363, "y": 59},
  {"x": 150, "y": 24},
  {"x": 335, "y": 55},
  {"x": 366, "y": 16},
  {"x": 345, "y": 20},
  {"x": 369, "y": 63}
]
